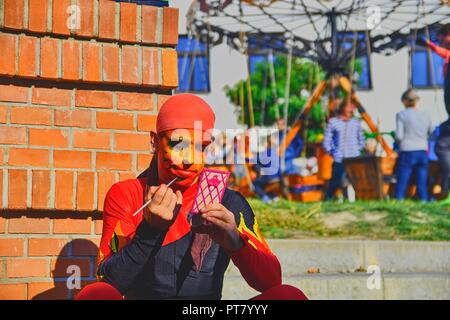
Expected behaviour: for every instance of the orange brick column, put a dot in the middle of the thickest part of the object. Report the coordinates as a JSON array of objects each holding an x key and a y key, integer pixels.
[{"x": 81, "y": 82}]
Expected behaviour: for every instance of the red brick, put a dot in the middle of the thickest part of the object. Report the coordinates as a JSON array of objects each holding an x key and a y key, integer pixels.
[
  {"x": 60, "y": 16},
  {"x": 14, "y": 11},
  {"x": 130, "y": 66},
  {"x": 132, "y": 141},
  {"x": 135, "y": 101},
  {"x": 29, "y": 225},
  {"x": 73, "y": 118},
  {"x": 87, "y": 18},
  {"x": 22, "y": 268},
  {"x": 127, "y": 176},
  {"x": 49, "y": 58},
  {"x": 107, "y": 19},
  {"x": 94, "y": 99},
  {"x": 99, "y": 227},
  {"x": 128, "y": 15},
  {"x": 91, "y": 140},
  {"x": 64, "y": 190},
  {"x": 47, "y": 290},
  {"x": 40, "y": 194},
  {"x": 13, "y": 291},
  {"x": 37, "y": 15},
  {"x": 13, "y": 93},
  {"x": 60, "y": 266},
  {"x": 3, "y": 111},
  {"x": 72, "y": 159},
  {"x": 114, "y": 161},
  {"x": 31, "y": 115},
  {"x": 8, "y": 54},
  {"x": 169, "y": 68},
  {"x": 149, "y": 24},
  {"x": 85, "y": 247},
  {"x": 48, "y": 137},
  {"x": 28, "y": 157},
  {"x": 170, "y": 26},
  {"x": 146, "y": 122},
  {"x": 11, "y": 247},
  {"x": 69, "y": 226},
  {"x": 13, "y": 135},
  {"x": 1, "y": 162},
  {"x": 2, "y": 220},
  {"x": 91, "y": 62},
  {"x": 115, "y": 120},
  {"x": 143, "y": 161},
  {"x": 17, "y": 193},
  {"x": 71, "y": 53},
  {"x": 51, "y": 96},
  {"x": 85, "y": 191},
  {"x": 110, "y": 63},
  {"x": 150, "y": 67},
  {"x": 27, "y": 56},
  {"x": 47, "y": 247},
  {"x": 105, "y": 181}
]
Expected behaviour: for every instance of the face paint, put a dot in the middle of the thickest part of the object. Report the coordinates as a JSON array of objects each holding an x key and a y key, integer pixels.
[{"x": 179, "y": 156}]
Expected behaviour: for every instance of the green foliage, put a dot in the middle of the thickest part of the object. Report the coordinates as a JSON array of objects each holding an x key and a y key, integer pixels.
[
  {"x": 375, "y": 220},
  {"x": 304, "y": 77}
]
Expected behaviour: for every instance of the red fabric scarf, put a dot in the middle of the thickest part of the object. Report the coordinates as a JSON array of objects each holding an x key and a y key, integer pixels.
[{"x": 181, "y": 226}]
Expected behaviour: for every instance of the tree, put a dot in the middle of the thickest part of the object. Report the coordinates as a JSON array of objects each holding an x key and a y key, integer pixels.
[{"x": 304, "y": 77}]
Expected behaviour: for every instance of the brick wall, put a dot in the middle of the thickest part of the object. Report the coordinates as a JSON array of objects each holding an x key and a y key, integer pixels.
[{"x": 77, "y": 102}]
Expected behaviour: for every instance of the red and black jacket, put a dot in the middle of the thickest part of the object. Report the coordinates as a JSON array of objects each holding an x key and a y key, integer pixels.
[{"x": 145, "y": 263}]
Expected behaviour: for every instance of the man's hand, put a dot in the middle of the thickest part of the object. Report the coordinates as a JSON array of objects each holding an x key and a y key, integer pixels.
[
  {"x": 422, "y": 41},
  {"x": 221, "y": 226},
  {"x": 163, "y": 209}
]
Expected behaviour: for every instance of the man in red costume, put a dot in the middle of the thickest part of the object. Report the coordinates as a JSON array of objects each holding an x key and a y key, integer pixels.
[
  {"x": 157, "y": 254},
  {"x": 443, "y": 50}
]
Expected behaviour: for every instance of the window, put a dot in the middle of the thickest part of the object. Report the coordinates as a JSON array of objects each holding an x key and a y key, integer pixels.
[
  {"x": 426, "y": 67},
  {"x": 193, "y": 65}
]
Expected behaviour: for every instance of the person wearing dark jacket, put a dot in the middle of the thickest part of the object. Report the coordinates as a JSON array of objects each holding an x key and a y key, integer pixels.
[
  {"x": 157, "y": 254},
  {"x": 442, "y": 149}
]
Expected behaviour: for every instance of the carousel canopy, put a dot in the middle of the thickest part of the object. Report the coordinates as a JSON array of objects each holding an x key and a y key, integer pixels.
[{"x": 330, "y": 32}]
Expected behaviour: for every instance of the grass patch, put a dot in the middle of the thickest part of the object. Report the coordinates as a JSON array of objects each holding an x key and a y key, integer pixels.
[{"x": 376, "y": 220}]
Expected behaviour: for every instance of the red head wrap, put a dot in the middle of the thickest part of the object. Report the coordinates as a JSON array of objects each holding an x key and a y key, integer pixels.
[{"x": 182, "y": 110}]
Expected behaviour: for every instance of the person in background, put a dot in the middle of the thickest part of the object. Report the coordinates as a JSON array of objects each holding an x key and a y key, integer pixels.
[
  {"x": 413, "y": 127},
  {"x": 344, "y": 138},
  {"x": 442, "y": 148},
  {"x": 292, "y": 151},
  {"x": 443, "y": 50},
  {"x": 267, "y": 169}
]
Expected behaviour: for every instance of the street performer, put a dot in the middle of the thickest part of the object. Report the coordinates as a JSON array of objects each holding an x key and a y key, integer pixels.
[{"x": 157, "y": 254}]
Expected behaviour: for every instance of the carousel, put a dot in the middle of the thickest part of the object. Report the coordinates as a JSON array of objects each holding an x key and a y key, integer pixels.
[{"x": 332, "y": 35}]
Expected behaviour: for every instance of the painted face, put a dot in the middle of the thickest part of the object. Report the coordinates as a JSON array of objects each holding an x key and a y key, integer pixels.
[{"x": 180, "y": 154}]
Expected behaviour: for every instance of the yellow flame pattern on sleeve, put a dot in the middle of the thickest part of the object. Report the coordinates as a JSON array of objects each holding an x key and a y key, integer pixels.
[{"x": 256, "y": 239}]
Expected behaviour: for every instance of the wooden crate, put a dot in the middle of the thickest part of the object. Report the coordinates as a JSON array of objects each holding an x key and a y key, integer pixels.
[{"x": 366, "y": 176}]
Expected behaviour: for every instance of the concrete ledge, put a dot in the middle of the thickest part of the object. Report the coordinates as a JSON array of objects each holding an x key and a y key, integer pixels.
[
  {"x": 394, "y": 286},
  {"x": 334, "y": 256}
]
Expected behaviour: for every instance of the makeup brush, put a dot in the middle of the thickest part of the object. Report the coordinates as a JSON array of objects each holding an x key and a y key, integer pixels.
[{"x": 150, "y": 200}]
